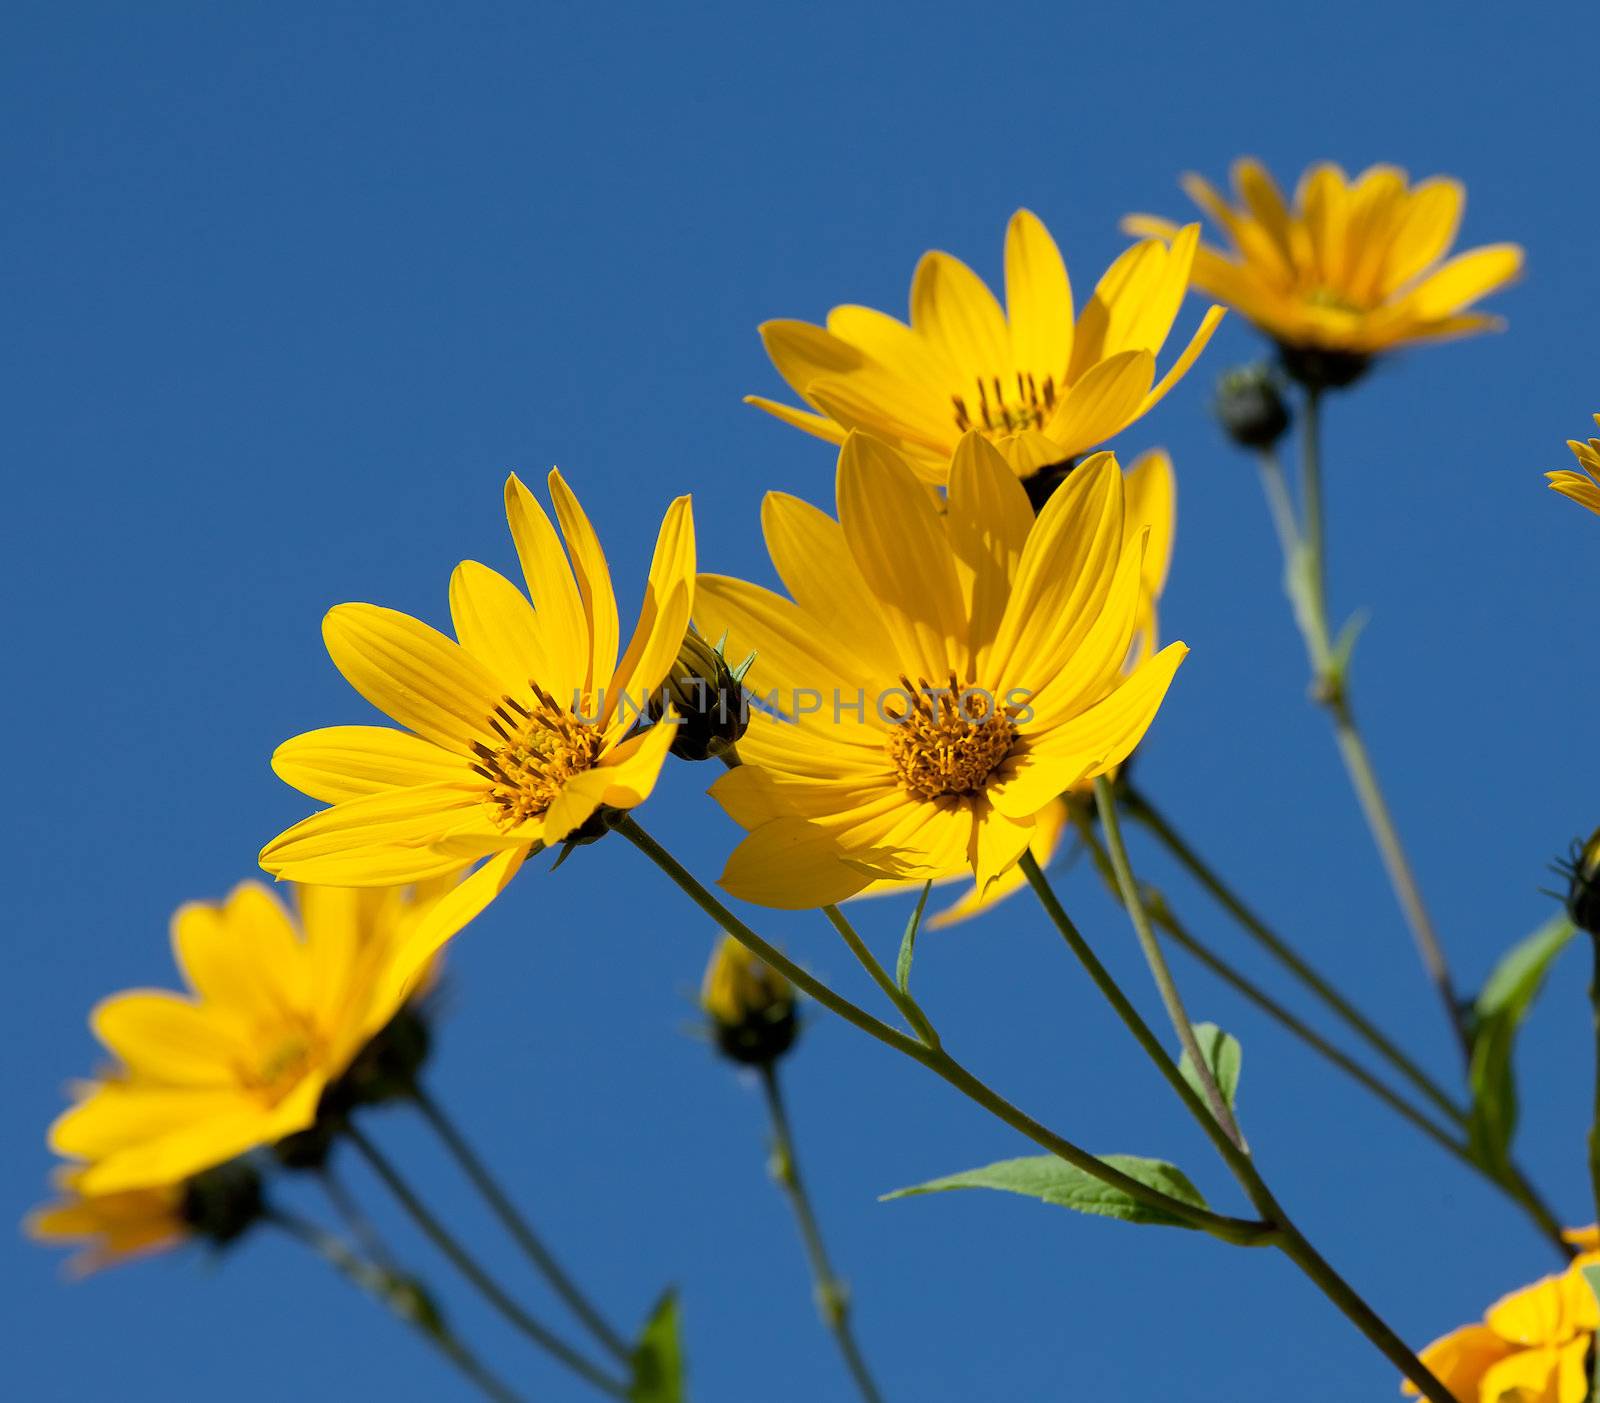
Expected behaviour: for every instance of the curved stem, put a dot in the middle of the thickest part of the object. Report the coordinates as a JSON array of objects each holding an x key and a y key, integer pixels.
[
  {"x": 880, "y": 976},
  {"x": 833, "y": 1295},
  {"x": 1160, "y": 971},
  {"x": 517, "y": 1225},
  {"x": 486, "y": 1285},
  {"x": 397, "y": 1295},
  {"x": 361, "y": 1227},
  {"x": 1142, "y": 810},
  {"x": 938, "y": 1061}
]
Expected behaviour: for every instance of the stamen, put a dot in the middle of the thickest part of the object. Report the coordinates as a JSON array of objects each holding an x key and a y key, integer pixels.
[
  {"x": 542, "y": 751},
  {"x": 948, "y": 743}
]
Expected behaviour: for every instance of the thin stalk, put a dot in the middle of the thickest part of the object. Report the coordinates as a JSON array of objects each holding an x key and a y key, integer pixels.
[
  {"x": 361, "y": 1227},
  {"x": 1242, "y": 1231},
  {"x": 1276, "y": 488},
  {"x": 1143, "y": 811},
  {"x": 398, "y": 1296},
  {"x": 517, "y": 1225},
  {"x": 486, "y": 1285},
  {"x": 1166, "y": 985},
  {"x": 1234, "y": 1152},
  {"x": 908, "y": 1006},
  {"x": 833, "y": 1295},
  {"x": 1514, "y": 1183},
  {"x": 1307, "y": 588}
]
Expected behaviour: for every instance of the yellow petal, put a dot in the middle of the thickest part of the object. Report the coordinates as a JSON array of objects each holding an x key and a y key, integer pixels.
[
  {"x": 165, "y": 1037},
  {"x": 1180, "y": 367},
  {"x": 495, "y": 623},
  {"x": 385, "y": 839},
  {"x": 412, "y": 673},
  {"x": 791, "y": 865},
  {"x": 562, "y": 630},
  {"x": 1150, "y": 503},
  {"x": 803, "y": 353},
  {"x": 1460, "y": 1359},
  {"x": 1535, "y": 1315},
  {"x": 1049, "y": 824},
  {"x": 818, "y": 425},
  {"x": 664, "y": 614},
  {"x": 1107, "y": 398},
  {"x": 988, "y": 520},
  {"x": 1038, "y": 298},
  {"x": 345, "y": 762},
  {"x": 951, "y": 307},
  {"x": 1463, "y": 280},
  {"x": 1424, "y": 231},
  {"x": 893, "y": 345},
  {"x": 594, "y": 583}
]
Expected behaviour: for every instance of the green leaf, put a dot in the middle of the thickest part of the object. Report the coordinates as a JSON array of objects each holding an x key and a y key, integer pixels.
[
  {"x": 1052, "y": 1180},
  {"x": 1497, "y": 1014},
  {"x": 1592, "y": 1276},
  {"x": 1223, "y": 1056},
  {"x": 658, "y": 1357},
  {"x": 908, "y": 942}
]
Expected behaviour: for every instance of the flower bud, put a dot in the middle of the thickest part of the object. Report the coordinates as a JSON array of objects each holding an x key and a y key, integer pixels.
[
  {"x": 751, "y": 1006},
  {"x": 1320, "y": 369},
  {"x": 221, "y": 1204},
  {"x": 1250, "y": 408},
  {"x": 1582, "y": 871},
  {"x": 708, "y": 697}
]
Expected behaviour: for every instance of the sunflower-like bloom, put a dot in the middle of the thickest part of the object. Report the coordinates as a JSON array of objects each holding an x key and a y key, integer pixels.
[
  {"x": 941, "y": 676},
  {"x": 276, "y": 1011},
  {"x": 1584, "y": 486},
  {"x": 1533, "y": 1344},
  {"x": 1041, "y": 386},
  {"x": 1150, "y": 493},
  {"x": 109, "y": 1227},
  {"x": 518, "y": 733},
  {"x": 1354, "y": 268}
]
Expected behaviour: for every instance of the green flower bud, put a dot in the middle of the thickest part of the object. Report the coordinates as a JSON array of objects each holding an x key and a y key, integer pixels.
[
  {"x": 1250, "y": 408},
  {"x": 708, "y": 698},
  {"x": 1582, "y": 871}
]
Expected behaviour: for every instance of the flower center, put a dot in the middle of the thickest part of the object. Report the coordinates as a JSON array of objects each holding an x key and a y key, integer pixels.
[
  {"x": 541, "y": 750},
  {"x": 948, "y": 740},
  {"x": 1333, "y": 300},
  {"x": 289, "y": 1053},
  {"x": 1000, "y": 410}
]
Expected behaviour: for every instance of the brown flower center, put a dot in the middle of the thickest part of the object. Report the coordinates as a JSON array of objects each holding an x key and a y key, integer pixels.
[
  {"x": 541, "y": 750},
  {"x": 948, "y": 740},
  {"x": 1002, "y": 410}
]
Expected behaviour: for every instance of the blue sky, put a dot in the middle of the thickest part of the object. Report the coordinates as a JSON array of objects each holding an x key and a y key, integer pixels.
[{"x": 290, "y": 288}]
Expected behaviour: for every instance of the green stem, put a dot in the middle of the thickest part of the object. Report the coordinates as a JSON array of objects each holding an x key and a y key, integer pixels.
[
  {"x": 1166, "y": 985},
  {"x": 908, "y": 1006},
  {"x": 937, "y": 1060},
  {"x": 396, "y": 1294},
  {"x": 361, "y": 1228},
  {"x": 1307, "y": 574},
  {"x": 1231, "y": 1144},
  {"x": 463, "y": 1262},
  {"x": 1143, "y": 811},
  {"x": 517, "y": 1225},
  {"x": 833, "y": 1295},
  {"x": 1514, "y": 1183}
]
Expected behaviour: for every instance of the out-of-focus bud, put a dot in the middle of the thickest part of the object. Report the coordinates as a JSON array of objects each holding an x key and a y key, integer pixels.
[
  {"x": 1582, "y": 871},
  {"x": 708, "y": 697},
  {"x": 221, "y": 1204},
  {"x": 751, "y": 1006},
  {"x": 1250, "y": 407}
]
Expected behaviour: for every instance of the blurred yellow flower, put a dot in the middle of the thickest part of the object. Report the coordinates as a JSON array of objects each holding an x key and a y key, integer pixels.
[
  {"x": 1150, "y": 510},
  {"x": 1354, "y": 267},
  {"x": 1532, "y": 1346},
  {"x": 937, "y": 679},
  {"x": 1583, "y": 487},
  {"x": 518, "y": 733},
  {"x": 111, "y": 1227},
  {"x": 1041, "y": 386},
  {"x": 276, "y": 1011},
  {"x": 750, "y": 1004}
]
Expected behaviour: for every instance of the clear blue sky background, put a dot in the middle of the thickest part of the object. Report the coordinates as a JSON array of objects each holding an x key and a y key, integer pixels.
[{"x": 289, "y": 288}]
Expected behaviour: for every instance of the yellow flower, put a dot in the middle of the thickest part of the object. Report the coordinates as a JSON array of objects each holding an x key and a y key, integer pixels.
[
  {"x": 750, "y": 1004},
  {"x": 1353, "y": 268},
  {"x": 518, "y": 733},
  {"x": 1583, "y": 487},
  {"x": 1532, "y": 1347},
  {"x": 1150, "y": 511},
  {"x": 1042, "y": 387},
  {"x": 274, "y": 1014},
  {"x": 944, "y": 675},
  {"x": 113, "y": 1227}
]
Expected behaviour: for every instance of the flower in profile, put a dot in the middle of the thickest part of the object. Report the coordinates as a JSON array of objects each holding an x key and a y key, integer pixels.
[
  {"x": 218, "y": 1205},
  {"x": 751, "y": 1005},
  {"x": 1150, "y": 494},
  {"x": 938, "y": 677},
  {"x": 1583, "y": 486},
  {"x": 518, "y": 734},
  {"x": 1353, "y": 269},
  {"x": 276, "y": 1012},
  {"x": 1532, "y": 1346},
  {"x": 108, "y": 1228},
  {"x": 1042, "y": 386}
]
